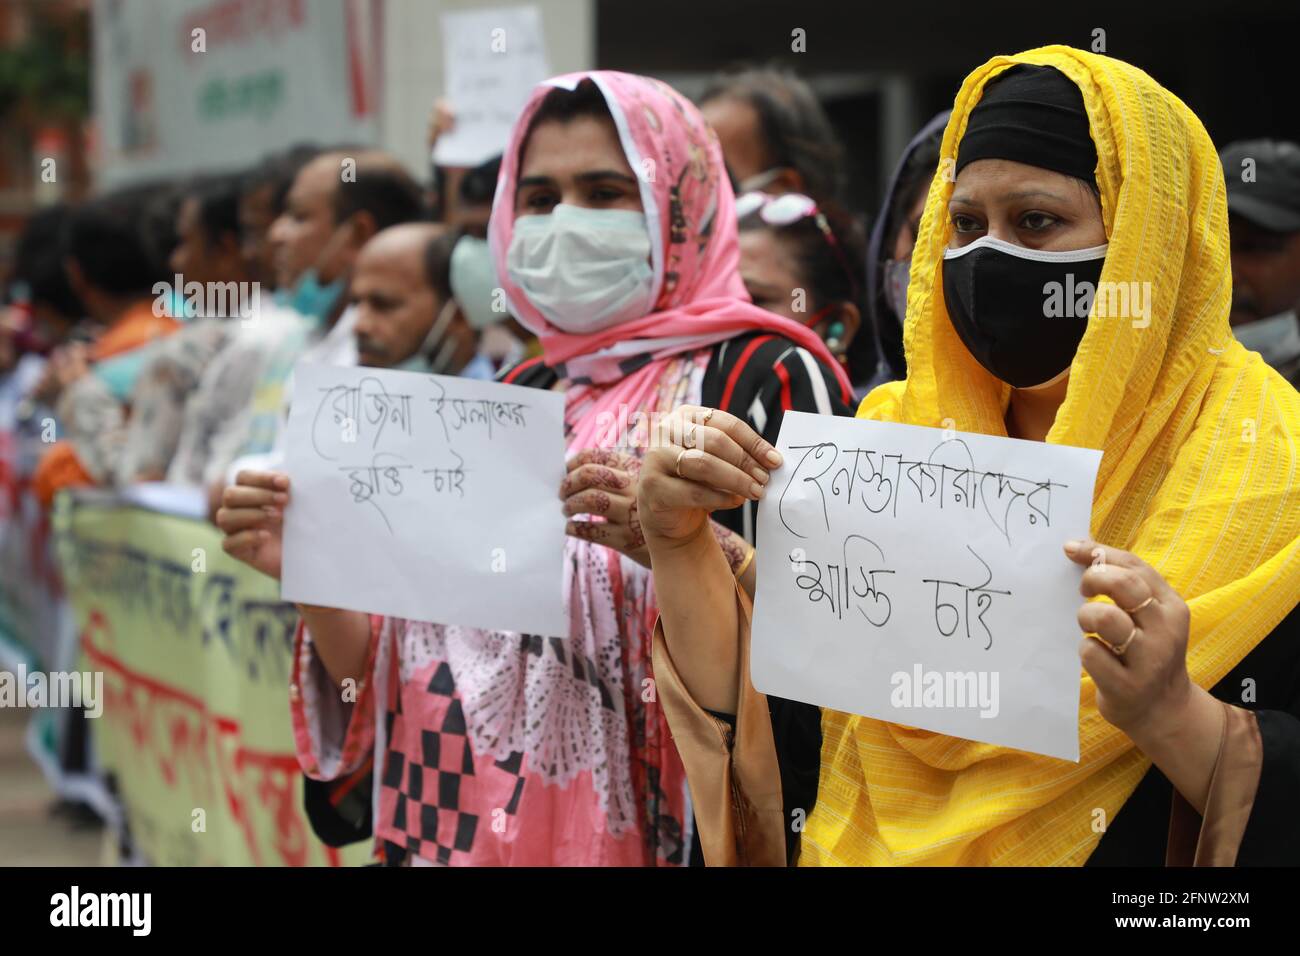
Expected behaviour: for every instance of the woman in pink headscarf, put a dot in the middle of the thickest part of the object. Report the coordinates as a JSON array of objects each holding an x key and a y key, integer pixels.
[{"x": 615, "y": 241}]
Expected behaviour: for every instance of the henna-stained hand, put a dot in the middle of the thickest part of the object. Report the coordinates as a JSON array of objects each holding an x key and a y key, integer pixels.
[{"x": 601, "y": 485}]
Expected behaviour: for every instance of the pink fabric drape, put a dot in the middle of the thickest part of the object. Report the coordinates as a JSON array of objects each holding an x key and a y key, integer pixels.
[{"x": 700, "y": 299}]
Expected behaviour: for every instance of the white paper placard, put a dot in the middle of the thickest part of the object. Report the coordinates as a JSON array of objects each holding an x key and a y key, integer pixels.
[
  {"x": 917, "y": 576},
  {"x": 426, "y": 497},
  {"x": 493, "y": 59}
]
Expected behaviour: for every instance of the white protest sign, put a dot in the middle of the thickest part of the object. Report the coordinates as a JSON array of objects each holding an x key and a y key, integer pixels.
[
  {"x": 426, "y": 497},
  {"x": 493, "y": 60},
  {"x": 918, "y": 576}
]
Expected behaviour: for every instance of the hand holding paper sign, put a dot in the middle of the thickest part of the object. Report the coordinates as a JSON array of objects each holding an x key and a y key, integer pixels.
[
  {"x": 602, "y": 483},
  {"x": 1136, "y": 653},
  {"x": 442, "y": 119},
  {"x": 913, "y": 575},
  {"x": 492, "y": 60},
  {"x": 252, "y": 517},
  {"x": 703, "y": 459}
]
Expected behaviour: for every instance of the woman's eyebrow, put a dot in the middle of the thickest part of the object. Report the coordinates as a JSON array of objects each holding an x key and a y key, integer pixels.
[
  {"x": 966, "y": 200},
  {"x": 597, "y": 174},
  {"x": 1035, "y": 194},
  {"x": 528, "y": 181}
]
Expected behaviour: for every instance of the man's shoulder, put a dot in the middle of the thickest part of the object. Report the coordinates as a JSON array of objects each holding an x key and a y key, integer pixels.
[{"x": 270, "y": 322}]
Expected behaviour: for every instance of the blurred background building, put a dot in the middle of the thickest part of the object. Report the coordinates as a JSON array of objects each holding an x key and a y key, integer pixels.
[{"x": 119, "y": 91}]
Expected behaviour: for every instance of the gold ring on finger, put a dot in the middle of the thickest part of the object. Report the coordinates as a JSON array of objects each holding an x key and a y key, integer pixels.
[
  {"x": 1134, "y": 610},
  {"x": 1100, "y": 640},
  {"x": 1119, "y": 649},
  {"x": 678, "y": 467}
]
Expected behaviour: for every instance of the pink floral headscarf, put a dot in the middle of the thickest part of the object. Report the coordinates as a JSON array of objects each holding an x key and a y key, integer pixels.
[{"x": 700, "y": 299}]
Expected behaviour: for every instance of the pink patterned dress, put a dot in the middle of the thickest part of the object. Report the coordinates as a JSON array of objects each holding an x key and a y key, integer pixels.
[{"x": 506, "y": 749}]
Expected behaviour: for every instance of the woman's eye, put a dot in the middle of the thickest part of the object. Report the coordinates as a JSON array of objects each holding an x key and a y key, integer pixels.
[
  {"x": 1037, "y": 221},
  {"x": 606, "y": 195},
  {"x": 963, "y": 223},
  {"x": 539, "y": 201}
]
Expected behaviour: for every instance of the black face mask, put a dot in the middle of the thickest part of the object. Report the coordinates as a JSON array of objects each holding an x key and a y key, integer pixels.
[{"x": 1021, "y": 313}]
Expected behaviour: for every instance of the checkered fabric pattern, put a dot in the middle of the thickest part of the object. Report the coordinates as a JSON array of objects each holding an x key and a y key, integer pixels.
[{"x": 428, "y": 793}]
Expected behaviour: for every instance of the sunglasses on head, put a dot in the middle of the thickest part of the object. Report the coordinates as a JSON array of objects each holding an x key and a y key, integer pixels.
[{"x": 786, "y": 210}]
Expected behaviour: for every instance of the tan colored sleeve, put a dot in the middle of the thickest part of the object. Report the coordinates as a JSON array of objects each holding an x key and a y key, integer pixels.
[
  {"x": 1215, "y": 838},
  {"x": 735, "y": 780}
]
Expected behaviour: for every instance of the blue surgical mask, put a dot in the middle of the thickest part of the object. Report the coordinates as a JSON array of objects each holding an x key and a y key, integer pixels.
[
  {"x": 310, "y": 298},
  {"x": 121, "y": 372},
  {"x": 585, "y": 270}
]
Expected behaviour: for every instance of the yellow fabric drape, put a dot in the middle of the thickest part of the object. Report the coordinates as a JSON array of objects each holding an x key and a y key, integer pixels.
[{"x": 1199, "y": 477}]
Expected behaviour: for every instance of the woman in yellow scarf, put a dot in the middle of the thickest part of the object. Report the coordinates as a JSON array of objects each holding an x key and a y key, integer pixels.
[{"x": 1190, "y": 675}]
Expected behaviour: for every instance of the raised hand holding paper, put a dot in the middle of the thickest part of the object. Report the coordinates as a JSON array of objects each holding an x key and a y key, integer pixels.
[
  {"x": 446, "y": 486},
  {"x": 916, "y": 576},
  {"x": 491, "y": 59}
]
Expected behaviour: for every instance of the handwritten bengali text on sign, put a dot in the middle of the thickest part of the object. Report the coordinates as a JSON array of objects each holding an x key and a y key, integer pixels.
[
  {"x": 426, "y": 497},
  {"x": 917, "y": 576}
]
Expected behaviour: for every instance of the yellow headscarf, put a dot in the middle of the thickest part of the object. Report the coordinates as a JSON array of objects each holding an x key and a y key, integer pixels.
[{"x": 1199, "y": 476}]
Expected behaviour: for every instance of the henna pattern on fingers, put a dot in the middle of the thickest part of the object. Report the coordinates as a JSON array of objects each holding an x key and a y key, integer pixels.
[{"x": 589, "y": 530}]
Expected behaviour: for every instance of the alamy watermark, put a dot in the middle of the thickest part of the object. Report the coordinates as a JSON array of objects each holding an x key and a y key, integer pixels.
[
  {"x": 631, "y": 428},
  {"x": 945, "y": 690},
  {"x": 1104, "y": 300},
  {"x": 190, "y": 300},
  {"x": 56, "y": 689},
  {"x": 75, "y": 908}
]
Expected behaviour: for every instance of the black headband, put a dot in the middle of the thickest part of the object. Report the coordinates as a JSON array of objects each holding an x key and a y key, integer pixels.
[{"x": 1033, "y": 115}]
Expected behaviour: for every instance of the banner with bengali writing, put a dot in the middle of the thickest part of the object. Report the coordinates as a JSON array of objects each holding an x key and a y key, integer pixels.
[
  {"x": 202, "y": 84},
  {"x": 195, "y": 653}
]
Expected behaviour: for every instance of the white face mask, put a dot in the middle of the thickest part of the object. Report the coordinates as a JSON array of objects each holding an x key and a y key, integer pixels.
[
  {"x": 1276, "y": 338},
  {"x": 585, "y": 270}
]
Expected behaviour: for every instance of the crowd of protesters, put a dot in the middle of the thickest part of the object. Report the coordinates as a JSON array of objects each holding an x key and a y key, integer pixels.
[{"x": 777, "y": 298}]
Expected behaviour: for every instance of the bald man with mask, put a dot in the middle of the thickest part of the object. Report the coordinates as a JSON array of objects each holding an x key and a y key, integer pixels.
[{"x": 406, "y": 315}]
